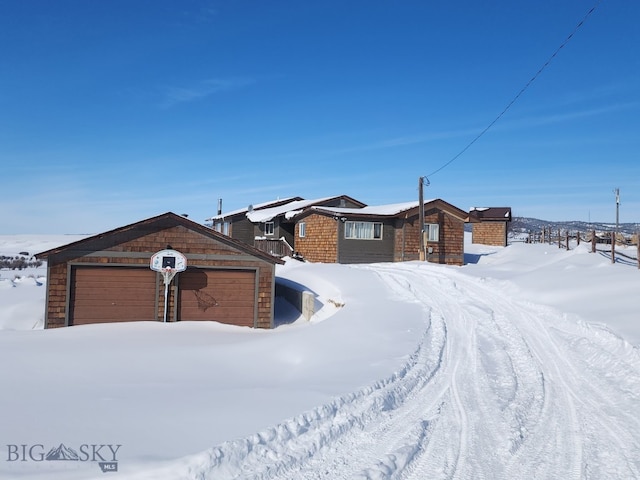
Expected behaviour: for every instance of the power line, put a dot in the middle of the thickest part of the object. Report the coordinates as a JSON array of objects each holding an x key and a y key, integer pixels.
[{"x": 545, "y": 65}]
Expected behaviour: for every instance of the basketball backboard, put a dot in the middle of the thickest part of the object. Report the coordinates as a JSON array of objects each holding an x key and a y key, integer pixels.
[{"x": 172, "y": 259}]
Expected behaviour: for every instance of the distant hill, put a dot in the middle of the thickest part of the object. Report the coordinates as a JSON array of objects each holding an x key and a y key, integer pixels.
[{"x": 525, "y": 224}]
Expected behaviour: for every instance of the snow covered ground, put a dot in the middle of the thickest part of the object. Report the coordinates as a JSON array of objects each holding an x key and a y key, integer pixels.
[{"x": 524, "y": 363}]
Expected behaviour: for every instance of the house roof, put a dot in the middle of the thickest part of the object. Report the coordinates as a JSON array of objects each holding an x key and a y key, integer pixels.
[
  {"x": 490, "y": 214},
  {"x": 268, "y": 214},
  {"x": 166, "y": 220},
  {"x": 392, "y": 210},
  {"x": 288, "y": 208},
  {"x": 294, "y": 208},
  {"x": 258, "y": 206}
]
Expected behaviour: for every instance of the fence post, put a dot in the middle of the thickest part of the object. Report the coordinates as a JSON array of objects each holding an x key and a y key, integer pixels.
[
  {"x": 559, "y": 238},
  {"x": 578, "y": 238},
  {"x": 613, "y": 247},
  {"x": 593, "y": 241},
  {"x": 567, "y": 238}
]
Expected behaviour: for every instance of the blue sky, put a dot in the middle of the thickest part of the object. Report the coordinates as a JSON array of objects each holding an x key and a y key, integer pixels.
[{"x": 115, "y": 111}]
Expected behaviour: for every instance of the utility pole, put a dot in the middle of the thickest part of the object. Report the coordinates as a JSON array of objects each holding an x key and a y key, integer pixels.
[
  {"x": 421, "y": 182},
  {"x": 617, "y": 192}
]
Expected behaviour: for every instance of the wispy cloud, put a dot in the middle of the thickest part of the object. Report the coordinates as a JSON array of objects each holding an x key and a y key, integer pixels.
[
  {"x": 577, "y": 114},
  {"x": 173, "y": 95}
]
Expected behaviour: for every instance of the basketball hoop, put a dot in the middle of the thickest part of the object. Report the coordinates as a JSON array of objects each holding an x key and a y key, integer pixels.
[{"x": 168, "y": 263}]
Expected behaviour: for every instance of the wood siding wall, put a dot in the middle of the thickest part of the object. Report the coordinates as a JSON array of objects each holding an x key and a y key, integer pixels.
[
  {"x": 490, "y": 233},
  {"x": 243, "y": 230},
  {"x": 320, "y": 243},
  {"x": 135, "y": 247},
  {"x": 448, "y": 250},
  {"x": 367, "y": 251}
]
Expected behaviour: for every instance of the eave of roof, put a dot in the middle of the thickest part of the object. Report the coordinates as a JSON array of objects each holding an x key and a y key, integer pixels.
[
  {"x": 291, "y": 209},
  {"x": 490, "y": 214},
  {"x": 258, "y": 206},
  {"x": 391, "y": 210}
]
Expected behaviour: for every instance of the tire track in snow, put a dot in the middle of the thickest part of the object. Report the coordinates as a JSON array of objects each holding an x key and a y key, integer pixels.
[
  {"x": 544, "y": 418},
  {"x": 342, "y": 440},
  {"x": 479, "y": 424},
  {"x": 561, "y": 428},
  {"x": 597, "y": 434}
]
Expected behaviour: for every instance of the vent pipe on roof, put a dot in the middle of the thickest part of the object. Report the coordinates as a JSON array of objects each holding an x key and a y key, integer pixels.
[{"x": 219, "y": 206}]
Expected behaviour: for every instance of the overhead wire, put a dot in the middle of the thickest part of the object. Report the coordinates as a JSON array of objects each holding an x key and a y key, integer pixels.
[{"x": 510, "y": 104}]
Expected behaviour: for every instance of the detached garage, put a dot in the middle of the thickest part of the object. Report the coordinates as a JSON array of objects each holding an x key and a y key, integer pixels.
[{"x": 106, "y": 278}]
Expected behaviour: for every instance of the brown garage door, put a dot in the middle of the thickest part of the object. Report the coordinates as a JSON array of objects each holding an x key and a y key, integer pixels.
[
  {"x": 112, "y": 294},
  {"x": 226, "y": 296}
]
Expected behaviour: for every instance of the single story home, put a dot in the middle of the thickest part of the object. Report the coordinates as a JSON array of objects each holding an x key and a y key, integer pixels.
[
  {"x": 107, "y": 277},
  {"x": 385, "y": 233},
  {"x": 490, "y": 225}
]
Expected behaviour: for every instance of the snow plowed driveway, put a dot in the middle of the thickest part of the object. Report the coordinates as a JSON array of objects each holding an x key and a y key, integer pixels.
[
  {"x": 502, "y": 389},
  {"x": 497, "y": 389}
]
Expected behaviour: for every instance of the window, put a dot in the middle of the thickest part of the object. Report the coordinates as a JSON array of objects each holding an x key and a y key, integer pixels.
[
  {"x": 302, "y": 229},
  {"x": 222, "y": 227},
  {"x": 268, "y": 228},
  {"x": 363, "y": 230},
  {"x": 432, "y": 231}
]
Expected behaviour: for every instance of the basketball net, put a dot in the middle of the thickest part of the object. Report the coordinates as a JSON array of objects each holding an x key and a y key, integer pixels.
[{"x": 168, "y": 273}]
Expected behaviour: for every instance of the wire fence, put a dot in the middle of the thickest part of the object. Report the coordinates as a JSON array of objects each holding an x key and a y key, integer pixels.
[{"x": 609, "y": 245}]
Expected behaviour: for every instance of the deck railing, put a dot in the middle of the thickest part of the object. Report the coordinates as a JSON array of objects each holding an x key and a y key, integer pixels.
[{"x": 278, "y": 248}]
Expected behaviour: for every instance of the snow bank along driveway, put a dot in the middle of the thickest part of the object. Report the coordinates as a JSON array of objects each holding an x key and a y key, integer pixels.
[{"x": 497, "y": 388}]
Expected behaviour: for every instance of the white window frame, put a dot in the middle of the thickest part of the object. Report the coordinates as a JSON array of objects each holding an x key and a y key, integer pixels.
[
  {"x": 302, "y": 229},
  {"x": 432, "y": 231},
  {"x": 269, "y": 228},
  {"x": 222, "y": 227},
  {"x": 363, "y": 230}
]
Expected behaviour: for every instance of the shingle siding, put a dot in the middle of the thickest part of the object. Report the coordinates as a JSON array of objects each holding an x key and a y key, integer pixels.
[
  {"x": 320, "y": 243},
  {"x": 490, "y": 233}
]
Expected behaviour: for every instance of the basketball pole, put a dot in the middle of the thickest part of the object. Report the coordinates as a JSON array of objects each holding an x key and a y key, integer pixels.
[
  {"x": 167, "y": 262},
  {"x": 166, "y": 296},
  {"x": 167, "y": 274}
]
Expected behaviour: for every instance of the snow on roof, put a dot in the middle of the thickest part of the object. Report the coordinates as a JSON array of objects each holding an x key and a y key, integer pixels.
[
  {"x": 260, "y": 215},
  {"x": 390, "y": 209},
  {"x": 246, "y": 209},
  {"x": 289, "y": 210}
]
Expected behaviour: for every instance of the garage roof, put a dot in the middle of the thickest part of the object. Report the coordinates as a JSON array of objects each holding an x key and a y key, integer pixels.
[{"x": 166, "y": 220}]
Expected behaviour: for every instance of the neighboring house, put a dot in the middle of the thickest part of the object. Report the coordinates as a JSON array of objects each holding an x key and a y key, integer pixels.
[
  {"x": 490, "y": 225},
  {"x": 236, "y": 225},
  {"x": 386, "y": 233},
  {"x": 270, "y": 226},
  {"x": 106, "y": 278}
]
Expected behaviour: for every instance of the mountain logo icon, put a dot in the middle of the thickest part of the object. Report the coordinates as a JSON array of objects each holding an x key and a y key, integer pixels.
[{"x": 62, "y": 453}]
